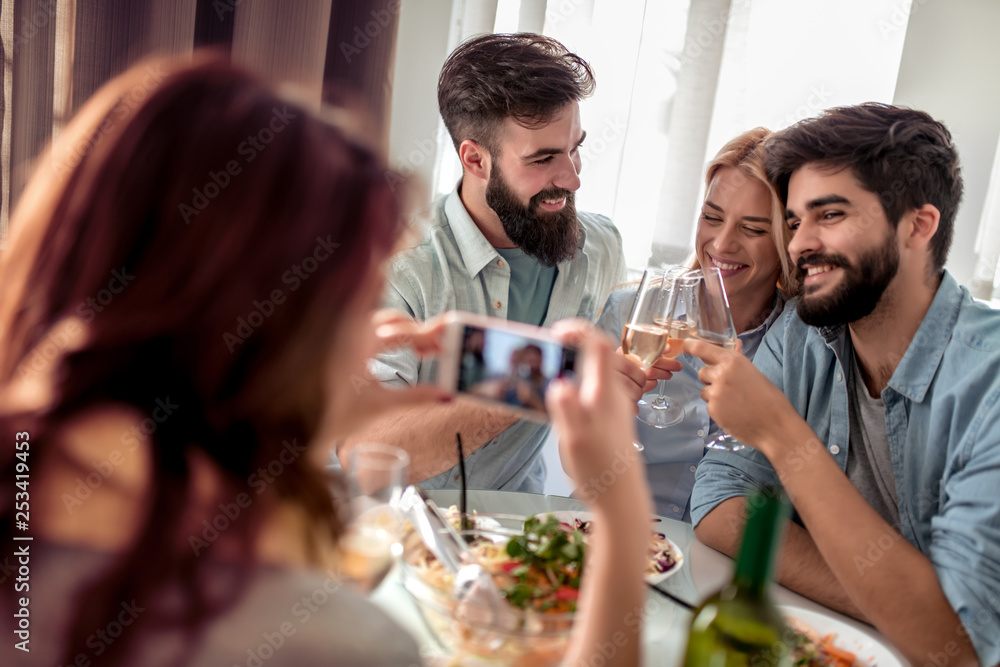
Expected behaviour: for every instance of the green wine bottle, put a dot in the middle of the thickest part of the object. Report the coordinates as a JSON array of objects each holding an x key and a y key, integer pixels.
[{"x": 739, "y": 626}]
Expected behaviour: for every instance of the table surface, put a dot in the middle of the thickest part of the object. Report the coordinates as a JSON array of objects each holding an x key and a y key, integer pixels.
[{"x": 703, "y": 572}]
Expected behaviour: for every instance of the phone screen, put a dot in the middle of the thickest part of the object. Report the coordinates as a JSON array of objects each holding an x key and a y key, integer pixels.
[{"x": 503, "y": 366}]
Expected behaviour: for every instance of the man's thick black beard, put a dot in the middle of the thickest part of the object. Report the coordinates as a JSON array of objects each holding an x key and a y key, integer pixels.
[
  {"x": 548, "y": 237},
  {"x": 860, "y": 291}
]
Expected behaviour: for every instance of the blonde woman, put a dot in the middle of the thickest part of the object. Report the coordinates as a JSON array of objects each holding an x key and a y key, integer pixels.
[{"x": 741, "y": 230}]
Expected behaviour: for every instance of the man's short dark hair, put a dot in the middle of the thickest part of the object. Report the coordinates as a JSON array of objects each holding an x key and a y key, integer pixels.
[
  {"x": 902, "y": 155},
  {"x": 525, "y": 77}
]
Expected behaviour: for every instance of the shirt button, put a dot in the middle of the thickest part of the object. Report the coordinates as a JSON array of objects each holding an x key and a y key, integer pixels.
[
  {"x": 834, "y": 449},
  {"x": 693, "y": 468},
  {"x": 676, "y": 509},
  {"x": 499, "y": 262},
  {"x": 497, "y": 304},
  {"x": 458, "y": 477},
  {"x": 701, "y": 433},
  {"x": 840, "y": 377}
]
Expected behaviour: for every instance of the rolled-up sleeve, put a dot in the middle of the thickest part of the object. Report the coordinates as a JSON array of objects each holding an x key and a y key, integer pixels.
[
  {"x": 965, "y": 535},
  {"x": 400, "y": 367},
  {"x": 724, "y": 475}
]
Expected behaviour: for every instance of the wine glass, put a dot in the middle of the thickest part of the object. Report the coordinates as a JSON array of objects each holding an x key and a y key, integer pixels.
[
  {"x": 711, "y": 321},
  {"x": 645, "y": 337},
  {"x": 375, "y": 476}
]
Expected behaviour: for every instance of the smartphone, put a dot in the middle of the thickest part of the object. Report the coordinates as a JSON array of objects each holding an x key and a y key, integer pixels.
[{"x": 502, "y": 363}]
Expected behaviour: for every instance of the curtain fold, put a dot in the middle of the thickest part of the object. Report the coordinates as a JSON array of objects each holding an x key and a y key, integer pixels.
[
  {"x": 57, "y": 53},
  {"x": 986, "y": 276}
]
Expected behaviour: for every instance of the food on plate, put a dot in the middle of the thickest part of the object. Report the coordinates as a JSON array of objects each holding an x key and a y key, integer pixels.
[
  {"x": 812, "y": 650},
  {"x": 663, "y": 556}
]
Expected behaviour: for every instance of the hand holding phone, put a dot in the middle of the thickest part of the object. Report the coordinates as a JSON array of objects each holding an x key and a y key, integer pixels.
[{"x": 502, "y": 363}]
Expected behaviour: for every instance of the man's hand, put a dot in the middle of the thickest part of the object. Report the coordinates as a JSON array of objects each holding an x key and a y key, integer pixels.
[{"x": 739, "y": 397}]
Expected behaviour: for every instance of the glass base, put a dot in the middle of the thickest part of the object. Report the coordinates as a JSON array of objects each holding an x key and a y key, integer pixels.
[
  {"x": 661, "y": 412},
  {"x": 724, "y": 442}
]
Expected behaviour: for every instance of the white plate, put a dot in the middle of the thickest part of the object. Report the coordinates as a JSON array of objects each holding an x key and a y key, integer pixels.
[
  {"x": 869, "y": 651},
  {"x": 569, "y": 516}
]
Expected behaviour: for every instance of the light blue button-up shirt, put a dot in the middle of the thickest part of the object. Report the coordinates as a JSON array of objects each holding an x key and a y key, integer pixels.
[
  {"x": 455, "y": 268},
  {"x": 942, "y": 410},
  {"x": 672, "y": 454}
]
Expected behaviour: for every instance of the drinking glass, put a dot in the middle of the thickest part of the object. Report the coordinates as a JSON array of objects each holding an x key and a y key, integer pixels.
[
  {"x": 711, "y": 321},
  {"x": 645, "y": 337},
  {"x": 375, "y": 476}
]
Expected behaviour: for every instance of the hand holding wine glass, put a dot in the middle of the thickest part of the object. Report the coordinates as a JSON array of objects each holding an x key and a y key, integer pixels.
[
  {"x": 646, "y": 338},
  {"x": 375, "y": 476}
]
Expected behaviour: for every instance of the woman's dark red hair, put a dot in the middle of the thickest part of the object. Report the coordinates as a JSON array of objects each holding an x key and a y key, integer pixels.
[{"x": 200, "y": 189}]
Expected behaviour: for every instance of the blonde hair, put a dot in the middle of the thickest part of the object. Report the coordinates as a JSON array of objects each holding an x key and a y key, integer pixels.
[{"x": 746, "y": 154}]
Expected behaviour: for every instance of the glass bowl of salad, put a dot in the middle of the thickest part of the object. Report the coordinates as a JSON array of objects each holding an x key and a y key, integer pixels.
[{"x": 537, "y": 567}]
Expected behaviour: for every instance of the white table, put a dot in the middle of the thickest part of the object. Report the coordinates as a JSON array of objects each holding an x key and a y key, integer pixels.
[{"x": 665, "y": 634}]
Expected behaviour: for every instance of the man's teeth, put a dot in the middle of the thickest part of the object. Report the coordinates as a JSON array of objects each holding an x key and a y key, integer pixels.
[
  {"x": 815, "y": 270},
  {"x": 554, "y": 201},
  {"x": 727, "y": 267}
]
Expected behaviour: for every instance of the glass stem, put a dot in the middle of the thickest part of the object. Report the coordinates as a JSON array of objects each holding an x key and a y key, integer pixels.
[{"x": 661, "y": 399}]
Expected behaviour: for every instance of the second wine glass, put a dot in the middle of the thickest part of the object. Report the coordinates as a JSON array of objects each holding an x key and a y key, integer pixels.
[
  {"x": 712, "y": 322},
  {"x": 375, "y": 476}
]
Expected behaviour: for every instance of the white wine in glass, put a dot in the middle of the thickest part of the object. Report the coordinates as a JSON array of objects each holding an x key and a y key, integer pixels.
[
  {"x": 645, "y": 341},
  {"x": 677, "y": 332}
]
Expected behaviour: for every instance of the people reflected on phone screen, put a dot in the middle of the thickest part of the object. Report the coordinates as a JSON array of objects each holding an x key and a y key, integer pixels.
[{"x": 509, "y": 368}]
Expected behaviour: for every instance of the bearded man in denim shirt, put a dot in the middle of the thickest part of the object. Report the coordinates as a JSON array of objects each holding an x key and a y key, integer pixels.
[{"x": 875, "y": 399}]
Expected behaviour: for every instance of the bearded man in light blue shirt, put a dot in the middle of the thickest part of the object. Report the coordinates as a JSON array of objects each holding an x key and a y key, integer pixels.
[
  {"x": 875, "y": 400},
  {"x": 508, "y": 242}
]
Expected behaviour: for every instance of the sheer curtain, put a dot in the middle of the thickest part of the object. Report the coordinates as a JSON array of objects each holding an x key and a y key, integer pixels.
[
  {"x": 58, "y": 52},
  {"x": 986, "y": 278}
]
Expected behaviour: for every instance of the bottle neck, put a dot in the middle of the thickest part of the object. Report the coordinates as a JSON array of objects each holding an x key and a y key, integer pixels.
[{"x": 766, "y": 513}]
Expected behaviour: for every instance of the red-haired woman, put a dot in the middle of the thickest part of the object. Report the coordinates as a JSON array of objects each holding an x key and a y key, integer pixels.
[{"x": 186, "y": 306}]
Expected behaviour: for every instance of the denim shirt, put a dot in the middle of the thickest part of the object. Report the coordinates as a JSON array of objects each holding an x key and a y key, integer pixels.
[
  {"x": 454, "y": 267},
  {"x": 673, "y": 453},
  {"x": 942, "y": 409}
]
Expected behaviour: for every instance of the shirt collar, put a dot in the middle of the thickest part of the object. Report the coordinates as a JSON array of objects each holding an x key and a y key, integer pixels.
[
  {"x": 476, "y": 251},
  {"x": 916, "y": 371}
]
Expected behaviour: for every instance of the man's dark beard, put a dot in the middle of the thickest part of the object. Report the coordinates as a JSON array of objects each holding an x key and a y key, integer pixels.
[
  {"x": 858, "y": 293},
  {"x": 549, "y": 237}
]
